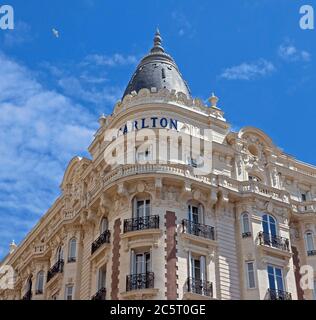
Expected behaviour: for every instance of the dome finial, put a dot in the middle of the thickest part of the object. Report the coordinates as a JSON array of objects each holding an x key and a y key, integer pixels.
[
  {"x": 213, "y": 100},
  {"x": 157, "y": 42}
]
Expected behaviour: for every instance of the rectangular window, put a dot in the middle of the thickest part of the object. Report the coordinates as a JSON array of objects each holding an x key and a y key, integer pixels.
[
  {"x": 314, "y": 289},
  {"x": 276, "y": 282},
  {"x": 304, "y": 197},
  {"x": 69, "y": 292},
  {"x": 102, "y": 278},
  {"x": 143, "y": 208},
  {"x": 141, "y": 263},
  {"x": 198, "y": 267},
  {"x": 251, "y": 275}
]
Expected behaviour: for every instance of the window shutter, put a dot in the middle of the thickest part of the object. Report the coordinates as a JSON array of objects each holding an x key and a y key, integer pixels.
[
  {"x": 201, "y": 214},
  {"x": 190, "y": 212},
  {"x": 190, "y": 265},
  {"x": 133, "y": 261},
  {"x": 134, "y": 213},
  {"x": 203, "y": 268}
]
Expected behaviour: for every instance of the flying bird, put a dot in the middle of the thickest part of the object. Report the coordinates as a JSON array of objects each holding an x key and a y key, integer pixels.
[{"x": 55, "y": 33}]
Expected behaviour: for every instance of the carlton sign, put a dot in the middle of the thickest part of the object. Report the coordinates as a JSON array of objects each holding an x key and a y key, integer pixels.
[{"x": 149, "y": 123}]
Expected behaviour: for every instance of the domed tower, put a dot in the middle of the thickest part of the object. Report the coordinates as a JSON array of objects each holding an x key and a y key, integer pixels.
[{"x": 157, "y": 70}]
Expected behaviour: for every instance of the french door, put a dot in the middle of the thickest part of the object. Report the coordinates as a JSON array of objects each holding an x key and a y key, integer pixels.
[
  {"x": 276, "y": 283},
  {"x": 269, "y": 230}
]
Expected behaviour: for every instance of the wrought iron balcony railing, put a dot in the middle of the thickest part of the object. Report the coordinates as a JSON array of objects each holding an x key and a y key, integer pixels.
[
  {"x": 246, "y": 234},
  {"x": 58, "y": 267},
  {"x": 274, "y": 241},
  {"x": 201, "y": 287},
  {"x": 311, "y": 253},
  {"x": 199, "y": 230},
  {"x": 39, "y": 291},
  {"x": 104, "y": 238},
  {"x": 140, "y": 281},
  {"x": 279, "y": 295},
  {"x": 28, "y": 295},
  {"x": 100, "y": 295},
  {"x": 141, "y": 223}
]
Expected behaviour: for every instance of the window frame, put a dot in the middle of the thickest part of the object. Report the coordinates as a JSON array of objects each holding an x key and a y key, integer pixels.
[
  {"x": 72, "y": 251},
  {"x": 40, "y": 290},
  {"x": 248, "y": 271},
  {"x": 311, "y": 234},
  {"x": 67, "y": 295},
  {"x": 243, "y": 229}
]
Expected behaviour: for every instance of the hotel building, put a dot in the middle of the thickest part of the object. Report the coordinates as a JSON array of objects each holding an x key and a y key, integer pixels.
[{"x": 189, "y": 210}]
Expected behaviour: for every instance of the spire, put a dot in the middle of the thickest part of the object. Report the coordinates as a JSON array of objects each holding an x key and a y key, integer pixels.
[{"x": 157, "y": 43}]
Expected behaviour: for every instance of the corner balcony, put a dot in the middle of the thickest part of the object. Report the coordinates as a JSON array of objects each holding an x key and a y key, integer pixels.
[
  {"x": 57, "y": 268},
  {"x": 198, "y": 233},
  {"x": 141, "y": 223},
  {"x": 198, "y": 289},
  {"x": 100, "y": 295},
  {"x": 144, "y": 229},
  {"x": 274, "y": 294},
  {"x": 274, "y": 244},
  {"x": 104, "y": 238},
  {"x": 141, "y": 285}
]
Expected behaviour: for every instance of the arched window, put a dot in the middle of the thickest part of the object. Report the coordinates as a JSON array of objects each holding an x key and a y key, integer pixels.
[
  {"x": 309, "y": 240},
  {"x": 60, "y": 254},
  {"x": 72, "y": 250},
  {"x": 40, "y": 283},
  {"x": 245, "y": 225},
  {"x": 269, "y": 226},
  {"x": 104, "y": 225},
  {"x": 196, "y": 213}
]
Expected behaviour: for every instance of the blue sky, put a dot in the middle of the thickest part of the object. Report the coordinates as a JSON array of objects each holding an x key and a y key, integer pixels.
[{"x": 252, "y": 53}]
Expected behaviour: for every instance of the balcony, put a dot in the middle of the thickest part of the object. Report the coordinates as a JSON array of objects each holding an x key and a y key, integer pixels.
[
  {"x": 246, "y": 235},
  {"x": 140, "y": 281},
  {"x": 311, "y": 253},
  {"x": 58, "y": 267},
  {"x": 27, "y": 296},
  {"x": 198, "y": 230},
  {"x": 100, "y": 295},
  {"x": 142, "y": 223},
  {"x": 266, "y": 239},
  {"x": 39, "y": 292},
  {"x": 104, "y": 238},
  {"x": 274, "y": 294},
  {"x": 200, "y": 287}
]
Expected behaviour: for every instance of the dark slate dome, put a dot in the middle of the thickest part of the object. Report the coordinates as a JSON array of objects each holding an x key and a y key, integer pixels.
[{"x": 157, "y": 70}]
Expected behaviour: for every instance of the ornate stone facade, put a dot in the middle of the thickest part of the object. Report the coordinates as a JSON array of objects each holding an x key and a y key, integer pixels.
[{"x": 122, "y": 231}]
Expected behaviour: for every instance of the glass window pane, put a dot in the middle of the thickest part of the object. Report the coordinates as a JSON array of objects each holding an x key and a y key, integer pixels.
[
  {"x": 245, "y": 223},
  {"x": 251, "y": 275},
  {"x": 310, "y": 241},
  {"x": 197, "y": 269}
]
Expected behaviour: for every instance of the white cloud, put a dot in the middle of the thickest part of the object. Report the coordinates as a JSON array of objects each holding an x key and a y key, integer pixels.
[
  {"x": 111, "y": 61},
  {"x": 290, "y": 53},
  {"x": 249, "y": 71},
  {"x": 73, "y": 86},
  {"x": 20, "y": 35},
  {"x": 40, "y": 131},
  {"x": 182, "y": 24}
]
